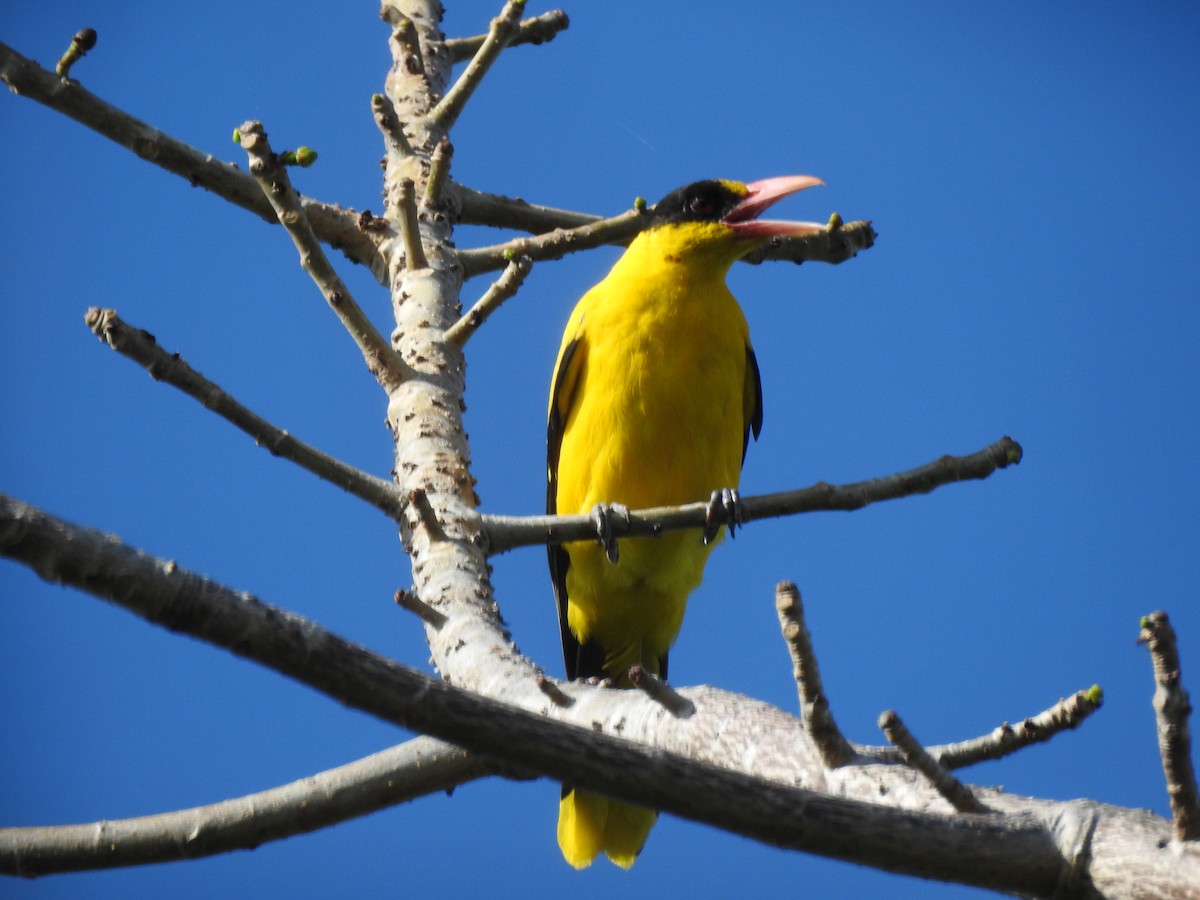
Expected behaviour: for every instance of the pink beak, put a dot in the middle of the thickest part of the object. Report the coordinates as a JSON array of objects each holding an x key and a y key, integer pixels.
[{"x": 743, "y": 218}]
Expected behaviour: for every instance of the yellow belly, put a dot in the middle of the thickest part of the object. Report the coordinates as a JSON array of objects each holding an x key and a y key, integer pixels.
[{"x": 658, "y": 420}]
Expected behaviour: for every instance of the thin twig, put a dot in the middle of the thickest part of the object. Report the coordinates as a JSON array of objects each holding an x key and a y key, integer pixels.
[
  {"x": 835, "y": 750},
  {"x": 414, "y": 769},
  {"x": 497, "y": 211},
  {"x": 661, "y": 692},
  {"x": 503, "y": 533},
  {"x": 1172, "y": 707},
  {"x": 334, "y": 226},
  {"x": 1008, "y": 739},
  {"x": 419, "y": 501},
  {"x": 536, "y": 30},
  {"x": 414, "y": 604},
  {"x": 956, "y": 793},
  {"x": 439, "y": 172},
  {"x": 837, "y": 243},
  {"x": 171, "y": 368},
  {"x": 389, "y": 125},
  {"x": 410, "y": 230},
  {"x": 500, "y": 290},
  {"x": 381, "y": 359},
  {"x": 502, "y": 30},
  {"x": 554, "y": 692}
]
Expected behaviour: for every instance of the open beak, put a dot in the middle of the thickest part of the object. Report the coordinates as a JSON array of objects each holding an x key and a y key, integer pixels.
[{"x": 743, "y": 218}]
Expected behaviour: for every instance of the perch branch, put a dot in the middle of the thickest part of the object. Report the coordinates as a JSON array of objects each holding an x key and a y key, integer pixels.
[
  {"x": 1171, "y": 710},
  {"x": 506, "y": 532},
  {"x": 956, "y": 848},
  {"x": 334, "y": 226},
  {"x": 502, "y": 30},
  {"x": 141, "y": 347},
  {"x": 536, "y": 30},
  {"x": 953, "y": 790},
  {"x": 1008, "y": 739},
  {"x": 413, "y": 769},
  {"x": 382, "y": 361},
  {"x": 835, "y": 750},
  {"x": 500, "y": 290}
]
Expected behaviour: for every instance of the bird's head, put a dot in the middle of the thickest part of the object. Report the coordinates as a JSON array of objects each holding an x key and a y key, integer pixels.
[{"x": 720, "y": 218}]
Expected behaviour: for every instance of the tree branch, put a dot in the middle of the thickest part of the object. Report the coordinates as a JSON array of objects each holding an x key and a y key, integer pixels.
[
  {"x": 332, "y": 225},
  {"x": 266, "y": 166},
  {"x": 414, "y": 769},
  {"x": 497, "y": 211},
  {"x": 960, "y": 849},
  {"x": 141, "y": 347},
  {"x": 1171, "y": 710},
  {"x": 1008, "y": 739},
  {"x": 834, "y": 245},
  {"x": 503, "y": 29},
  {"x": 503, "y": 533},
  {"x": 1037, "y": 848},
  {"x": 500, "y": 290},
  {"x": 536, "y": 30},
  {"x": 835, "y": 750},
  {"x": 954, "y": 791}
]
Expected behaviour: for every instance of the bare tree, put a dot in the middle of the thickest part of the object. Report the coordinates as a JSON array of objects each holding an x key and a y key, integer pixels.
[{"x": 702, "y": 753}]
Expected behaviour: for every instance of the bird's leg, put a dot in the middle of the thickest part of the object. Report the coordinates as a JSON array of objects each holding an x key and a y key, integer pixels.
[
  {"x": 602, "y": 517},
  {"x": 724, "y": 508}
]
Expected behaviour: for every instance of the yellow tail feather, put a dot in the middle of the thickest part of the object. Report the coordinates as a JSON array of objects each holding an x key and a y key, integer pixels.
[{"x": 590, "y": 823}]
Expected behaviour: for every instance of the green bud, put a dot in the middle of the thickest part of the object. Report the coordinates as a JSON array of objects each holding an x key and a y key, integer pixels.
[
  {"x": 639, "y": 203},
  {"x": 1095, "y": 695},
  {"x": 305, "y": 156},
  {"x": 237, "y": 135}
]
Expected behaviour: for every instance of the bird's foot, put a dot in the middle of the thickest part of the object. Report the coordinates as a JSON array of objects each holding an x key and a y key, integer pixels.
[
  {"x": 724, "y": 508},
  {"x": 602, "y": 517}
]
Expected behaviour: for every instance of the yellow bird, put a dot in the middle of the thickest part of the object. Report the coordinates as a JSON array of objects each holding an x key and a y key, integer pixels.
[{"x": 656, "y": 392}]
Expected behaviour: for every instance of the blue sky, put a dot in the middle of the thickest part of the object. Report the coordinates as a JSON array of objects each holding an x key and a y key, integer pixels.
[{"x": 1031, "y": 171}]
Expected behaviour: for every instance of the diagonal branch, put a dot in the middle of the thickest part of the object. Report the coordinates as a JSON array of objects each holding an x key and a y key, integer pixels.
[
  {"x": 267, "y": 167},
  {"x": 1008, "y": 739},
  {"x": 536, "y": 30},
  {"x": 141, "y": 347},
  {"x": 500, "y": 290},
  {"x": 506, "y": 532},
  {"x": 502, "y": 30},
  {"x": 835, "y": 750},
  {"x": 1172, "y": 707},
  {"x": 954, "y": 791},
  {"x": 332, "y": 225},
  {"x": 413, "y": 769}
]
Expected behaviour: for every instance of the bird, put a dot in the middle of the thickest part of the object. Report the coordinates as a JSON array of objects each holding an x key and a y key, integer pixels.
[{"x": 655, "y": 394}]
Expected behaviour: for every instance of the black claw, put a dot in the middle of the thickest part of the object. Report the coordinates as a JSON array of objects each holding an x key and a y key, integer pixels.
[
  {"x": 602, "y": 517},
  {"x": 724, "y": 508}
]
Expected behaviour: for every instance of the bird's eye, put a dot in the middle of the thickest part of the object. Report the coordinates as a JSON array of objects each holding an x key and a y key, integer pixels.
[{"x": 701, "y": 206}]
